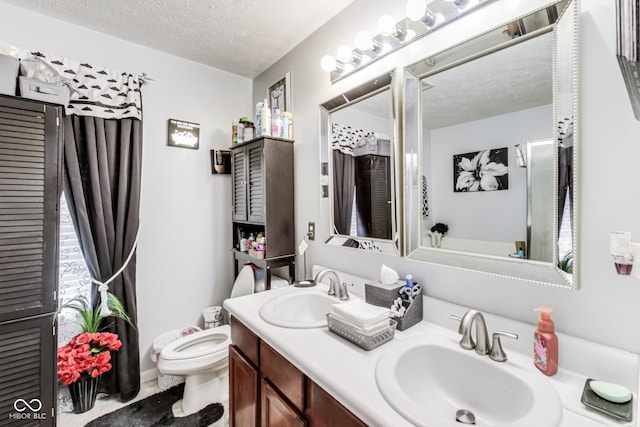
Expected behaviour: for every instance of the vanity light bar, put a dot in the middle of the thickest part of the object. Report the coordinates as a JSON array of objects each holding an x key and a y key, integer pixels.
[{"x": 422, "y": 18}]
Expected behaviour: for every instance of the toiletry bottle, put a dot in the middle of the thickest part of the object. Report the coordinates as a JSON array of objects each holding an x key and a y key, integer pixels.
[
  {"x": 250, "y": 241},
  {"x": 244, "y": 245},
  {"x": 234, "y": 133},
  {"x": 545, "y": 343},
  {"x": 276, "y": 124},
  {"x": 258, "y": 119},
  {"x": 409, "y": 281},
  {"x": 265, "y": 119},
  {"x": 285, "y": 125},
  {"x": 240, "y": 128}
]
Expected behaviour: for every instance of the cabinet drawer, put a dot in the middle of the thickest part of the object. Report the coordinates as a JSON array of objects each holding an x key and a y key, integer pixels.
[
  {"x": 246, "y": 341},
  {"x": 283, "y": 375}
]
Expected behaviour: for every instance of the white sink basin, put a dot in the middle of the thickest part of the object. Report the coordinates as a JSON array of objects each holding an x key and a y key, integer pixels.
[
  {"x": 301, "y": 309},
  {"x": 428, "y": 379}
]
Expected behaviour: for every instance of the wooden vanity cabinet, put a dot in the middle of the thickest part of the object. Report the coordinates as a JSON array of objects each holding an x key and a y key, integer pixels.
[{"x": 267, "y": 390}]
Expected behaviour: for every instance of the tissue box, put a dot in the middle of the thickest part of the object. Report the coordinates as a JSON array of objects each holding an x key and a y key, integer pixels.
[
  {"x": 42, "y": 91},
  {"x": 382, "y": 295},
  {"x": 8, "y": 74}
]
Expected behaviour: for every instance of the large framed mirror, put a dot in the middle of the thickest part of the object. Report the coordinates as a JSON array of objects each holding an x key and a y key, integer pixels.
[
  {"x": 491, "y": 151},
  {"x": 359, "y": 155}
]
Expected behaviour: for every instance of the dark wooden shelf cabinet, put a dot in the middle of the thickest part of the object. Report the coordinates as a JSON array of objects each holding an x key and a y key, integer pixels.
[
  {"x": 263, "y": 200},
  {"x": 266, "y": 390}
]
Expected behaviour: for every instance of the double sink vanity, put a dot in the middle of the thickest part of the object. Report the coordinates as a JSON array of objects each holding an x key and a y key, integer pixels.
[{"x": 294, "y": 365}]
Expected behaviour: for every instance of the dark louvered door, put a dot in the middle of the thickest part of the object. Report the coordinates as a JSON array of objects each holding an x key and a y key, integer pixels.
[
  {"x": 29, "y": 191},
  {"x": 256, "y": 183},
  {"x": 27, "y": 370},
  {"x": 30, "y": 161},
  {"x": 239, "y": 185},
  {"x": 373, "y": 196},
  {"x": 381, "y": 197}
]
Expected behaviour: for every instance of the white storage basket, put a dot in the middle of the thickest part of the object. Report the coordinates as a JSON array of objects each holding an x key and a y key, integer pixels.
[{"x": 167, "y": 381}]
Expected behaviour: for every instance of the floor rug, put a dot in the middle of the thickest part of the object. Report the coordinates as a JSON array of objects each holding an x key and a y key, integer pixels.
[{"x": 155, "y": 411}]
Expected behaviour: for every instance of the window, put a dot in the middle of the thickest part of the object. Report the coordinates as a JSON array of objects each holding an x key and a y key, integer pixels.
[{"x": 74, "y": 279}]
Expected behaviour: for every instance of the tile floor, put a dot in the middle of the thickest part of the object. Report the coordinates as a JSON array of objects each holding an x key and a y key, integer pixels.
[{"x": 105, "y": 404}]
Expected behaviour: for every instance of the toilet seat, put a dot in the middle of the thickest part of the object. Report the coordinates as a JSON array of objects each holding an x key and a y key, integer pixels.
[{"x": 209, "y": 343}]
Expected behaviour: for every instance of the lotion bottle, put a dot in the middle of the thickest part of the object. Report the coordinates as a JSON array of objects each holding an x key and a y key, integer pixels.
[
  {"x": 265, "y": 119},
  {"x": 545, "y": 343}
]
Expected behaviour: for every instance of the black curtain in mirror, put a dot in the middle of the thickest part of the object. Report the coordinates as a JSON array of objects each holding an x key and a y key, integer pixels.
[
  {"x": 565, "y": 183},
  {"x": 343, "y": 190}
]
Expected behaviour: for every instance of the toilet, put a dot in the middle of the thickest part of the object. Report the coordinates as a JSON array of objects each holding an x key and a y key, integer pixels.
[{"x": 203, "y": 357}]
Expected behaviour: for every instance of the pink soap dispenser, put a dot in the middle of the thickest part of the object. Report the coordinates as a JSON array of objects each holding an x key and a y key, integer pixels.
[{"x": 545, "y": 343}]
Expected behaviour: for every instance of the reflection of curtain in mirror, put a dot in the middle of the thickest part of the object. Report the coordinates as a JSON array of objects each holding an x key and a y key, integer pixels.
[
  {"x": 565, "y": 183},
  {"x": 565, "y": 170},
  {"x": 343, "y": 185}
]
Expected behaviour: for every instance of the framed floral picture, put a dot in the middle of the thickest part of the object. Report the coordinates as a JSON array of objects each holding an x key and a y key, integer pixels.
[
  {"x": 485, "y": 170},
  {"x": 279, "y": 94}
]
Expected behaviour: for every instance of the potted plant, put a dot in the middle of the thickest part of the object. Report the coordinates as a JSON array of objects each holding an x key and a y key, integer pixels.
[
  {"x": 87, "y": 356},
  {"x": 436, "y": 233}
]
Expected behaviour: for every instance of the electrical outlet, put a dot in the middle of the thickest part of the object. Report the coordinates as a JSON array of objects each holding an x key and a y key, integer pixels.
[{"x": 311, "y": 231}]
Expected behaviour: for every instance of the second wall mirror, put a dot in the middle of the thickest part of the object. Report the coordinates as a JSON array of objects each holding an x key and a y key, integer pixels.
[
  {"x": 358, "y": 151},
  {"x": 491, "y": 151}
]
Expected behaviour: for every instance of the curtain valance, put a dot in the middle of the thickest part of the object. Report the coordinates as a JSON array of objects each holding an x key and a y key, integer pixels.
[
  {"x": 349, "y": 140},
  {"x": 95, "y": 90}
]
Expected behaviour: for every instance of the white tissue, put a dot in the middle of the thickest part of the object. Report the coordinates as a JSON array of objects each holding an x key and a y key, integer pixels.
[
  {"x": 388, "y": 276},
  {"x": 360, "y": 314}
]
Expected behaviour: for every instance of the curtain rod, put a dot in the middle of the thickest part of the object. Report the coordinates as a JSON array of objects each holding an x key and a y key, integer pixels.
[{"x": 144, "y": 79}]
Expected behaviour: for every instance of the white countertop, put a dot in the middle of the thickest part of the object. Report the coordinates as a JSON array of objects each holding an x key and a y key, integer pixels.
[{"x": 347, "y": 372}]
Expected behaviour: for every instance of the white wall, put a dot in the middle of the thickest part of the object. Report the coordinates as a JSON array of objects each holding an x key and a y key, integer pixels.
[
  {"x": 605, "y": 309},
  {"x": 184, "y": 263},
  {"x": 499, "y": 216}
]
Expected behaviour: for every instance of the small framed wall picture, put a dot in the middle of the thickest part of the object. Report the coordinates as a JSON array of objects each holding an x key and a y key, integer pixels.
[
  {"x": 183, "y": 134},
  {"x": 279, "y": 94},
  {"x": 220, "y": 162}
]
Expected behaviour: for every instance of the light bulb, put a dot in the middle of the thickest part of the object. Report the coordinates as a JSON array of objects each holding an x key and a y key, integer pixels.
[
  {"x": 328, "y": 63},
  {"x": 462, "y": 4},
  {"x": 387, "y": 25},
  {"x": 364, "y": 41},
  {"x": 344, "y": 54},
  {"x": 416, "y": 9}
]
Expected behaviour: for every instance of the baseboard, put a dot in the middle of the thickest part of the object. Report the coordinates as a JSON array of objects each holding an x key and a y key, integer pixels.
[{"x": 149, "y": 375}]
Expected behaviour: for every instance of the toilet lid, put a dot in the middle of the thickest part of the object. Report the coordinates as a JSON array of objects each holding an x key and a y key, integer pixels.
[
  {"x": 244, "y": 283},
  {"x": 203, "y": 343}
]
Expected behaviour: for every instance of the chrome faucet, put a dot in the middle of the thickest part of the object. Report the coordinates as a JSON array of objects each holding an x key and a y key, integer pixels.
[
  {"x": 482, "y": 337},
  {"x": 335, "y": 288}
]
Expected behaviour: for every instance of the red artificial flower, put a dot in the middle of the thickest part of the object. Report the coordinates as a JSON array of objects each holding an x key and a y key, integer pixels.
[{"x": 86, "y": 354}]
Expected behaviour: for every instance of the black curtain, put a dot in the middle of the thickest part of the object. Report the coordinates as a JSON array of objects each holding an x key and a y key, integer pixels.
[
  {"x": 102, "y": 172},
  {"x": 343, "y": 188}
]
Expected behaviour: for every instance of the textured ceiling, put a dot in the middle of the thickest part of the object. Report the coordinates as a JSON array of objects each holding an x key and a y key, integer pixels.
[
  {"x": 243, "y": 37},
  {"x": 512, "y": 79}
]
